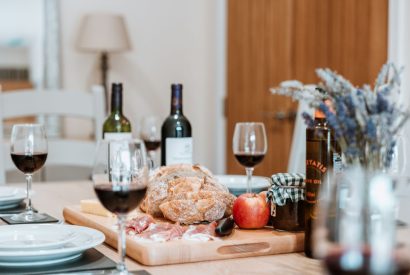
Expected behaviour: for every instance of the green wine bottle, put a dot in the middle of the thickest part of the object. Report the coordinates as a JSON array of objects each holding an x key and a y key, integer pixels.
[{"x": 116, "y": 126}]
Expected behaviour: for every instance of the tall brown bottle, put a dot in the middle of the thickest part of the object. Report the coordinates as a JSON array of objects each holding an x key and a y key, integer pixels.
[{"x": 319, "y": 159}]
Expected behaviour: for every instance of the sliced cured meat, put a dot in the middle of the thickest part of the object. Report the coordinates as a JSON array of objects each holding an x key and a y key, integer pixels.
[
  {"x": 162, "y": 232},
  {"x": 201, "y": 232},
  {"x": 138, "y": 224}
]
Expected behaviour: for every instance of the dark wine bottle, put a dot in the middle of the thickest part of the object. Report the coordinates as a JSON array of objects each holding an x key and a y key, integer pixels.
[
  {"x": 319, "y": 159},
  {"x": 176, "y": 133},
  {"x": 116, "y": 126}
]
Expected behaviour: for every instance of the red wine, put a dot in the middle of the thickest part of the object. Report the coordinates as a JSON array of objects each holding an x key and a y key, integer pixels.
[
  {"x": 119, "y": 199},
  {"x": 334, "y": 265},
  {"x": 28, "y": 164},
  {"x": 176, "y": 132},
  {"x": 249, "y": 160},
  {"x": 152, "y": 145}
]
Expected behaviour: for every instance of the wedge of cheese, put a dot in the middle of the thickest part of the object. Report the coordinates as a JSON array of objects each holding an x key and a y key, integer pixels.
[{"x": 94, "y": 207}]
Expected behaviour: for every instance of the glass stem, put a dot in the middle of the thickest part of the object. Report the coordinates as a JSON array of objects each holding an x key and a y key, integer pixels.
[
  {"x": 249, "y": 171},
  {"x": 152, "y": 158},
  {"x": 29, "y": 208},
  {"x": 121, "y": 244}
]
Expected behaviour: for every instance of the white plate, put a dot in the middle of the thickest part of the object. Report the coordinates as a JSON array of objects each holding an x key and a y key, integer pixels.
[
  {"x": 40, "y": 263},
  {"x": 6, "y": 191},
  {"x": 11, "y": 195},
  {"x": 9, "y": 206},
  {"x": 237, "y": 183},
  {"x": 35, "y": 236},
  {"x": 86, "y": 239}
]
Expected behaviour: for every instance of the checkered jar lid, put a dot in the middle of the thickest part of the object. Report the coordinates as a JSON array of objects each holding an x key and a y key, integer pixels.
[{"x": 286, "y": 186}]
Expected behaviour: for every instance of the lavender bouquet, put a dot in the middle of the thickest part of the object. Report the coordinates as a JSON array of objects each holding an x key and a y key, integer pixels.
[{"x": 364, "y": 121}]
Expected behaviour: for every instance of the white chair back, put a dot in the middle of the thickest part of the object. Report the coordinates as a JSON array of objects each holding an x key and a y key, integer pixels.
[{"x": 63, "y": 103}]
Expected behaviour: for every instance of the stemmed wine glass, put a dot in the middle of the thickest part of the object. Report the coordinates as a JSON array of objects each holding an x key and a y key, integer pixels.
[
  {"x": 120, "y": 178},
  {"x": 29, "y": 153},
  {"x": 249, "y": 147},
  {"x": 355, "y": 232},
  {"x": 151, "y": 135}
]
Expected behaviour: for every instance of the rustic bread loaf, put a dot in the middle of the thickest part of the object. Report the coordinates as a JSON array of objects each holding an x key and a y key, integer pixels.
[
  {"x": 193, "y": 211},
  {"x": 187, "y": 194}
]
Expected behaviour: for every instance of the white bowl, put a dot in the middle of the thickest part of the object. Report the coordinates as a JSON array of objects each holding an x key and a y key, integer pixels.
[{"x": 237, "y": 183}]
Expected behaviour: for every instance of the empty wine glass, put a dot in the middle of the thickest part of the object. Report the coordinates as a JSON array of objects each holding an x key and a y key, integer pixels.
[
  {"x": 249, "y": 147},
  {"x": 401, "y": 177},
  {"x": 29, "y": 153},
  {"x": 398, "y": 165},
  {"x": 120, "y": 178},
  {"x": 151, "y": 135}
]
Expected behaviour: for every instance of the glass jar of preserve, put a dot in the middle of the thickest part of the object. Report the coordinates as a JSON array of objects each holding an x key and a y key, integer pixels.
[{"x": 287, "y": 198}]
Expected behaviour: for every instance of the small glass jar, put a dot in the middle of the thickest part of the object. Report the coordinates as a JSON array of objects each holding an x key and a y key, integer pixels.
[
  {"x": 289, "y": 217},
  {"x": 287, "y": 198}
]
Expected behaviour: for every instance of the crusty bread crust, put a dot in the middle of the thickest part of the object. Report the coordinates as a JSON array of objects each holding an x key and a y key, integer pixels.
[{"x": 187, "y": 194}]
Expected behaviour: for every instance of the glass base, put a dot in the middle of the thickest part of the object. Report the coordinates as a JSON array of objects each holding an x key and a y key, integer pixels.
[
  {"x": 28, "y": 216},
  {"x": 119, "y": 272}
]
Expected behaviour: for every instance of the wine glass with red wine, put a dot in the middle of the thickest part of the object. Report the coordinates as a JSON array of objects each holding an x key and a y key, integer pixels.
[
  {"x": 120, "y": 178},
  {"x": 28, "y": 151},
  {"x": 249, "y": 147},
  {"x": 151, "y": 135},
  {"x": 355, "y": 225}
]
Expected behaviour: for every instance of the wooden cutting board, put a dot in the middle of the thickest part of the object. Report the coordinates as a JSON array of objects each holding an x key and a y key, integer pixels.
[{"x": 241, "y": 243}]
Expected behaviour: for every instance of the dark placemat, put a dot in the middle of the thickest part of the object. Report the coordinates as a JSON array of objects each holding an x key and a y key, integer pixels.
[
  {"x": 15, "y": 210},
  {"x": 49, "y": 219},
  {"x": 106, "y": 272},
  {"x": 91, "y": 260},
  {"x": 401, "y": 223}
]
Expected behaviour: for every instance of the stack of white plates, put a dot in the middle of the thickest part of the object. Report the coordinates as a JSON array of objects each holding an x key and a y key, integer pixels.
[
  {"x": 11, "y": 197},
  {"x": 237, "y": 183},
  {"x": 45, "y": 244}
]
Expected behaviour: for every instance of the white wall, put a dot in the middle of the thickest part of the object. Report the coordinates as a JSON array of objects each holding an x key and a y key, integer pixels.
[{"x": 173, "y": 41}]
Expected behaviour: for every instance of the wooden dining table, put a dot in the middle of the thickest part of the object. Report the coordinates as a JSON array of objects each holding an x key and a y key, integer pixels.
[{"x": 52, "y": 197}]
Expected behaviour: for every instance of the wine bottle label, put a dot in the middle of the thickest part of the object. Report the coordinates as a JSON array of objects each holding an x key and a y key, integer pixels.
[
  {"x": 117, "y": 136},
  {"x": 178, "y": 150},
  {"x": 316, "y": 167},
  {"x": 119, "y": 161},
  {"x": 314, "y": 171}
]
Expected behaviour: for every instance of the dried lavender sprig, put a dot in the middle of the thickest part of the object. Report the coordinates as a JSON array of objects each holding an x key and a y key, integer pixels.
[{"x": 366, "y": 120}]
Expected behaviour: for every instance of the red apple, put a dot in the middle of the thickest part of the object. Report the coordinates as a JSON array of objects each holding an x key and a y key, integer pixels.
[
  {"x": 251, "y": 211},
  {"x": 263, "y": 194}
]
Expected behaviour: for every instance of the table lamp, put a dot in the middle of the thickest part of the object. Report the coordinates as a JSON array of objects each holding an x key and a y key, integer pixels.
[{"x": 103, "y": 33}]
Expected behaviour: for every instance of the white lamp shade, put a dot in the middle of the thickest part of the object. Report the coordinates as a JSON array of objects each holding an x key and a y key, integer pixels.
[{"x": 103, "y": 33}]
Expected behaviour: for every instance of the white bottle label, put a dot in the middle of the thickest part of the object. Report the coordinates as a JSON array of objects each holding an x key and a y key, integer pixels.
[
  {"x": 178, "y": 150},
  {"x": 119, "y": 161},
  {"x": 117, "y": 136}
]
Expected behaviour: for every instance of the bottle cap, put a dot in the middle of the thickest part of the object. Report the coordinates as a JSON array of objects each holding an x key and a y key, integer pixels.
[
  {"x": 116, "y": 86},
  {"x": 176, "y": 86},
  {"x": 319, "y": 114}
]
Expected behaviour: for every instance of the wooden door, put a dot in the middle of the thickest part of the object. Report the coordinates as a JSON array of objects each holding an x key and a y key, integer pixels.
[{"x": 270, "y": 41}]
